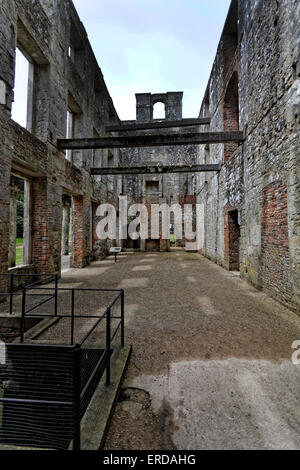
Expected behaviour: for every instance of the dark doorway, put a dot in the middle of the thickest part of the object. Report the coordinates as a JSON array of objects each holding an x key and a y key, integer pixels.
[{"x": 234, "y": 240}]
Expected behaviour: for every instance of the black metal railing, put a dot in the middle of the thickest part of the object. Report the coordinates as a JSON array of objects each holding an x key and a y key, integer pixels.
[
  {"x": 11, "y": 285},
  {"x": 47, "y": 386}
]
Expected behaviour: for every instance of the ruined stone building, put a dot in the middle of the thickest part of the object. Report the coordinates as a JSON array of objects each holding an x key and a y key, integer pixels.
[{"x": 251, "y": 218}]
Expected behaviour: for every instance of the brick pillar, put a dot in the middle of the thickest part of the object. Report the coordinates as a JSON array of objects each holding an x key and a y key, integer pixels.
[
  {"x": 46, "y": 226},
  {"x": 81, "y": 231},
  {"x": 4, "y": 217}
]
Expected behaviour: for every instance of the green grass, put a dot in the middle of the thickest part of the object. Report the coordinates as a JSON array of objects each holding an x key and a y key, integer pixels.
[
  {"x": 19, "y": 242},
  {"x": 172, "y": 238},
  {"x": 19, "y": 255}
]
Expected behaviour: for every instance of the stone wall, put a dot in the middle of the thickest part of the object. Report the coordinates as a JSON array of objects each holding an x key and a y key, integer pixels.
[{"x": 258, "y": 62}]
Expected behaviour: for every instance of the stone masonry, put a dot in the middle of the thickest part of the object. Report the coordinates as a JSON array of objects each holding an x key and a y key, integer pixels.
[{"x": 255, "y": 86}]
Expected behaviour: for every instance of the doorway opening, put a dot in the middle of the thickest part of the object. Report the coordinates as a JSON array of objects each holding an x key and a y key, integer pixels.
[
  {"x": 66, "y": 233},
  {"x": 234, "y": 240}
]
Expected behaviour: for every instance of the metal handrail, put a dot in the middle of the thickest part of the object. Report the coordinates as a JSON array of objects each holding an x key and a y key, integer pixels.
[{"x": 87, "y": 382}]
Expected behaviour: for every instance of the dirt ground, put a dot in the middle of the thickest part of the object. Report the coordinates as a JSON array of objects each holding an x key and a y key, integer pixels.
[{"x": 211, "y": 363}]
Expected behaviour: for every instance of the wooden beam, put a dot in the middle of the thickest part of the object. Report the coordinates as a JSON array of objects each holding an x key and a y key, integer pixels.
[
  {"x": 141, "y": 170},
  {"x": 158, "y": 125},
  {"x": 155, "y": 140}
]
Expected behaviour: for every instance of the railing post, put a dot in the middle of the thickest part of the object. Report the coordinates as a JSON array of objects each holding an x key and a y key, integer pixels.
[
  {"x": 55, "y": 295},
  {"x": 72, "y": 317},
  {"x": 11, "y": 290},
  {"x": 108, "y": 339},
  {"x": 122, "y": 319},
  {"x": 23, "y": 315},
  {"x": 76, "y": 399}
]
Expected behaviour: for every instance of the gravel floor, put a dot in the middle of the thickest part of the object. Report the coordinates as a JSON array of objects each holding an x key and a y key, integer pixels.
[{"x": 211, "y": 363}]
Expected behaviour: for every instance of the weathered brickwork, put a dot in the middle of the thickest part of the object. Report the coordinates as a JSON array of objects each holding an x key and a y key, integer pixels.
[
  {"x": 65, "y": 77},
  {"x": 275, "y": 263},
  {"x": 254, "y": 86}
]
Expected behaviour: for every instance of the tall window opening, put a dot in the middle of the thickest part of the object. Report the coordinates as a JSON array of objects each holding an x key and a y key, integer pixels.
[
  {"x": 66, "y": 238},
  {"x": 73, "y": 125},
  {"x": 20, "y": 222},
  {"x": 22, "y": 105}
]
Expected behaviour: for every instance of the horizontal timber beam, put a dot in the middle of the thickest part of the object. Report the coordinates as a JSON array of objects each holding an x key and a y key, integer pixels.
[
  {"x": 154, "y": 169},
  {"x": 158, "y": 125},
  {"x": 155, "y": 140}
]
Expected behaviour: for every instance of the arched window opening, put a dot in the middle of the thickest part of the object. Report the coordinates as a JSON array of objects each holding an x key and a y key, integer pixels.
[
  {"x": 231, "y": 114},
  {"x": 159, "y": 111}
]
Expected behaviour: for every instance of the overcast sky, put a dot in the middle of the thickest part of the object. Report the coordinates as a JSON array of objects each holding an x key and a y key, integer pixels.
[{"x": 153, "y": 46}]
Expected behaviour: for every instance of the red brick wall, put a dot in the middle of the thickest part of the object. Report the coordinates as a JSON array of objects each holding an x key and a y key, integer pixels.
[
  {"x": 80, "y": 232},
  {"x": 46, "y": 226},
  {"x": 275, "y": 261}
]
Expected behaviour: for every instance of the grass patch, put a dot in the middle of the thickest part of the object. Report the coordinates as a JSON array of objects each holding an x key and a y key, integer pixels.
[
  {"x": 172, "y": 238},
  {"x": 19, "y": 255},
  {"x": 19, "y": 242}
]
